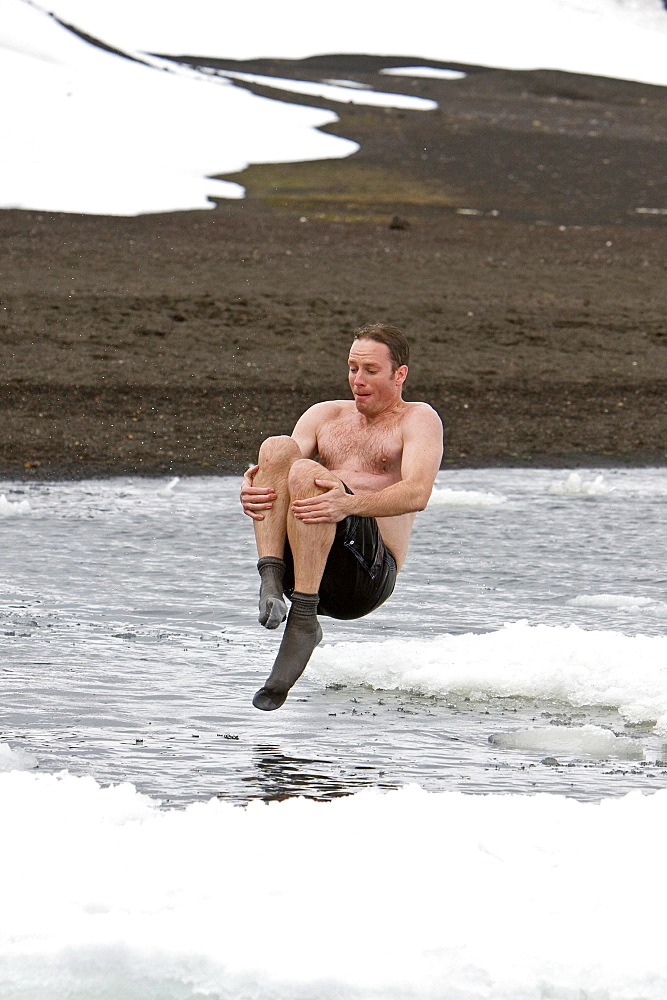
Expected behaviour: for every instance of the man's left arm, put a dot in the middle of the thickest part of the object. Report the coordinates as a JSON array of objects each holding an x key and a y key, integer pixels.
[{"x": 422, "y": 454}]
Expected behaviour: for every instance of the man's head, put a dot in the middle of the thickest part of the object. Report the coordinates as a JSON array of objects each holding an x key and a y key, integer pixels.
[
  {"x": 377, "y": 368},
  {"x": 383, "y": 333}
]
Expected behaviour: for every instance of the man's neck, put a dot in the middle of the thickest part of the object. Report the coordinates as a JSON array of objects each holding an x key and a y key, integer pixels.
[{"x": 392, "y": 409}]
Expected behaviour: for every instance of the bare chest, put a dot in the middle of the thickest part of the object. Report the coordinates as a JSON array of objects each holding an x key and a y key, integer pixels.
[{"x": 343, "y": 444}]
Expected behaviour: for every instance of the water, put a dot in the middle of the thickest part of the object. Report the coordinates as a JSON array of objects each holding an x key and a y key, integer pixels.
[
  {"x": 399, "y": 834},
  {"x": 131, "y": 648}
]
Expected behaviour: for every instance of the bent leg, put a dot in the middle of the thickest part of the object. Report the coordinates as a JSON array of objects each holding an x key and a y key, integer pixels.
[
  {"x": 276, "y": 456},
  {"x": 310, "y": 545},
  {"x": 301, "y": 636}
]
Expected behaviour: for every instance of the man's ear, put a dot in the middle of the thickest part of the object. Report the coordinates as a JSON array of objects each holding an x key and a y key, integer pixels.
[{"x": 401, "y": 374}]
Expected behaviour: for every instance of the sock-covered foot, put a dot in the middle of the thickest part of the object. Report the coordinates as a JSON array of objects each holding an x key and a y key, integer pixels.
[
  {"x": 272, "y": 607},
  {"x": 301, "y": 636}
]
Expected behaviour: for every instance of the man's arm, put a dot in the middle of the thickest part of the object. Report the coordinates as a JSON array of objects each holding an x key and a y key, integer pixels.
[
  {"x": 422, "y": 454},
  {"x": 307, "y": 427},
  {"x": 420, "y": 463}
]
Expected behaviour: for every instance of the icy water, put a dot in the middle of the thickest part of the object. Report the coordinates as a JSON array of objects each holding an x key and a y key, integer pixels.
[
  {"x": 464, "y": 798},
  {"x": 532, "y": 601}
]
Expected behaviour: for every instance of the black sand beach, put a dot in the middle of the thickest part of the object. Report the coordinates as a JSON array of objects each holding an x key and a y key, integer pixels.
[{"x": 517, "y": 235}]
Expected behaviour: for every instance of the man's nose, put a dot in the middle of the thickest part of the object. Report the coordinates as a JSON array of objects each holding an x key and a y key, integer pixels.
[{"x": 359, "y": 378}]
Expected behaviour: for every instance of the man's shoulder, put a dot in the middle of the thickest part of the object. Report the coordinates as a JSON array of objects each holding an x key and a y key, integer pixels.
[
  {"x": 420, "y": 407},
  {"x": 421, "y": 422},
  {"x": 336, "y": 404},
  {"x": 419, "y": 411},
  {"x": 329, "y": 409}
]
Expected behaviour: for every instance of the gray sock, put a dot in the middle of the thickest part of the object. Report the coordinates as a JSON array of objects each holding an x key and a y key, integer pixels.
[
  {"x": 272, "y": 607},
  {"x": 301, "y": 636}
]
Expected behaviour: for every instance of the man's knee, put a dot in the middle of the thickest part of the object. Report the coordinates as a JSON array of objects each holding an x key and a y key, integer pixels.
[
  {"x": 302, "y": 476},
  {"x": 278, "y": 450}
]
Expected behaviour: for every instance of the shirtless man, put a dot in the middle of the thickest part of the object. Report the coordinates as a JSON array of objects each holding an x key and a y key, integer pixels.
[{"x": 333, "y": 505}]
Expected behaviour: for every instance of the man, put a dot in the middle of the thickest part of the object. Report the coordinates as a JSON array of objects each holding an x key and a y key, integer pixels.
[{"x": 333, "y": 505}]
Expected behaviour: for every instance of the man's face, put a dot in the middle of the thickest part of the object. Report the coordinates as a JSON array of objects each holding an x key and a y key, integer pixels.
[{"x": 373, "y": 383}]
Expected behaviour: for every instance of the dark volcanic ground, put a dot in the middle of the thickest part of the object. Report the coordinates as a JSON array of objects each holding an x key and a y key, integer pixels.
[{"x": 174, "y": 343}]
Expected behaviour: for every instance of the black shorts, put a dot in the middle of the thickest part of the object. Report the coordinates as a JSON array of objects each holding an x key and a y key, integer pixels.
[{"x": 360, "y": 573}]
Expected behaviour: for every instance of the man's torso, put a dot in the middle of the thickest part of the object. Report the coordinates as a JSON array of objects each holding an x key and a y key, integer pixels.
[{"x": 367, "y": 458}]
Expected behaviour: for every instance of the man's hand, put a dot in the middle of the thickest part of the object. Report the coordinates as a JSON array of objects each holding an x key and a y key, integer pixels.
[
  {"x": 255, "y": 499},
  {"x": 329, "y": 507}
]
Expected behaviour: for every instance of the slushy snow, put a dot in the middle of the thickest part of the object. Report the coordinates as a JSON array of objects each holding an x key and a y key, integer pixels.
[
  {"x": 399, "y": 895},
  {"x": 567, "y": 664}
]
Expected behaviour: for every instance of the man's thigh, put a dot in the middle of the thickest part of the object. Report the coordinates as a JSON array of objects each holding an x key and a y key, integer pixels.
[{"x": 360, "y": 572}]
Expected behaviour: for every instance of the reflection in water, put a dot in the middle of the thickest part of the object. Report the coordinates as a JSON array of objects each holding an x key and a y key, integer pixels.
[{"x": 281, "y": 776}]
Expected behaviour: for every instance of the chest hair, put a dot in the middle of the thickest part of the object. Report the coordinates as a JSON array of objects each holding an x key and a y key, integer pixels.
[{"x": 370, "y": 449}]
